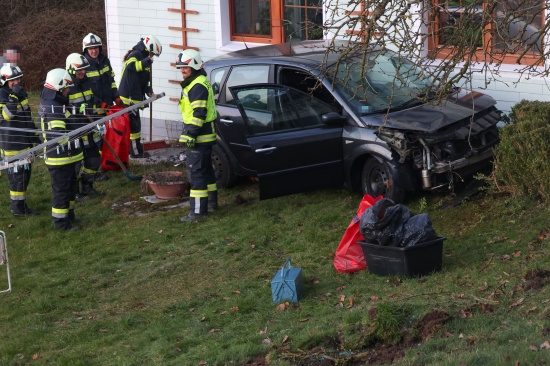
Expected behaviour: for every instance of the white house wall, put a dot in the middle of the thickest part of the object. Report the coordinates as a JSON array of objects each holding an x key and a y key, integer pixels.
[{"x": 129, "y": 20}]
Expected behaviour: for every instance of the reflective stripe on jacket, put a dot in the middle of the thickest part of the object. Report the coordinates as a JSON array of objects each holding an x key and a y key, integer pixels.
[
  {"x": 56, "y": 116},
  {"x": 102, "y": 79},
  {"x": 134, "y": 80},
  {"x": 198, "y": 110},
  {"x": 15, "y": 113}
]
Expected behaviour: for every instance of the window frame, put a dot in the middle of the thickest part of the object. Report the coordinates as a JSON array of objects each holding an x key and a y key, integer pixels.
[
  {"x": 445, "y": 52},
  {"x": 276, "y": 14}
]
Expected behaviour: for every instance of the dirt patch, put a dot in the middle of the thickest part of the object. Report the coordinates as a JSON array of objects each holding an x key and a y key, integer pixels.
[
  {"x": 537, "y": 279},
  {"x": 422, "y": 331},
  {"x": 429, "y": 324},
  {"x": 377, "y": 354}
]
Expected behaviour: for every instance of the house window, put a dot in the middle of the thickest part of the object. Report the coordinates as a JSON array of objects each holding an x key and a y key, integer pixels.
[
  {"x": 275, "y": 21},
  {"x": 303, "y": 20},
  {"x": 510, "y": 31}
]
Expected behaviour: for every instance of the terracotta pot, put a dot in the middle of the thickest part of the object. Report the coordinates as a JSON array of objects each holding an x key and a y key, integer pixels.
[{"x": 168, "y": 185}]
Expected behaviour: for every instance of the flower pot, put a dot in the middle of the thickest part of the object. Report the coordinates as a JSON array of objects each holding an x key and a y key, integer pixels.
[{"x": 168, "y": 185}]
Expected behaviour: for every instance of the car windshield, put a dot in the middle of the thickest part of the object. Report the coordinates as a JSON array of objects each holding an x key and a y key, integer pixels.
[{"x": 386, "y": 82}]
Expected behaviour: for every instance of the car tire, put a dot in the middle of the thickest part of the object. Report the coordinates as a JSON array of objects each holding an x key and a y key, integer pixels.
[
  {"x": 377, "y": 180},
  {"x": 225, "y": 175}
]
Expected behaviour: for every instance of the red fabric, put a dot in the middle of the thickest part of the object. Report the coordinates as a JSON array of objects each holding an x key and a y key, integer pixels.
[
  {"x": 349, "y": 255},
  {"x": 118, "y": 135}
]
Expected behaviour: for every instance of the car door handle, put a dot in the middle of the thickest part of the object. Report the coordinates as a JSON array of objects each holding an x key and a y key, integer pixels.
[
  {"x": 224, "y": 120},
  {"x": 265, "y": 149}
]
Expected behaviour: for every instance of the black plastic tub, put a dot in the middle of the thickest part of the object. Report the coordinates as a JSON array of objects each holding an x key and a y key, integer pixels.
[{"x": 412, "y": 261}]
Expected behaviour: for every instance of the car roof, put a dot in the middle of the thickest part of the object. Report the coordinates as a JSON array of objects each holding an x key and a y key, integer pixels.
[{"x": 304, "y": 52}]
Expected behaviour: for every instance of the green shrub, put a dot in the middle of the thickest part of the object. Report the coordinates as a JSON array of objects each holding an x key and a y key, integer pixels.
[{"x": 522, "y": 159}]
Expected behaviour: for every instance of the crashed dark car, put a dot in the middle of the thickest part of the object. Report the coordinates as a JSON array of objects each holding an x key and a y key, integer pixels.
[{"x": 300, "y": 118}]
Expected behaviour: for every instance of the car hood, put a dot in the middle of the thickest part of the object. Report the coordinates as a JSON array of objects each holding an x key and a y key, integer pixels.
[{"x": 430, "y": 118}]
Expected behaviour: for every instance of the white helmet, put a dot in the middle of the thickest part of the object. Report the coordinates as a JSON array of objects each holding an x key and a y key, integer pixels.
[
  {"x": 75, "y": 61},
  {"x": 152, "y": 45},
  {"x": 58, "y": 79},
  {"x": 91, "y": 40},
  {"x": 9, "y": 72},
  {"x": 190, "y": 58}
]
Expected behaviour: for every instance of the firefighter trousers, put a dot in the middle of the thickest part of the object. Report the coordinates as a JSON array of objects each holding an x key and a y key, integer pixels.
[
  {"x": 64, "y": 188},
  {"x": 90, "y": 166},
  {"x": 202, "y": 178},
  {"x": 19, "y": 179},
  {"x": 136, "y": 149}
]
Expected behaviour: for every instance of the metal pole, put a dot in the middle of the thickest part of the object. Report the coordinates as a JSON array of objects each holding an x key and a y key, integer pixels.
[
  {"x": 27, "y": 153},
  {"x": 151, "y": 107}
]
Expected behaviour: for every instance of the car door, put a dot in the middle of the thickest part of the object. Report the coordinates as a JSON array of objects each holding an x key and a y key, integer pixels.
[
  {"x": 230, "y": 126},
  {"x": 293, "y": 148}
]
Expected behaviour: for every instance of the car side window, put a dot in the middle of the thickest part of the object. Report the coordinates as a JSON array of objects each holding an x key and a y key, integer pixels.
[
  {"x": 283, "y": 109},
  {"x": 216, "y": 77},
  {"x": 244, "y": 75},
  {"x": 307, "y": 83},
  {"x": 308, "y": 109}
]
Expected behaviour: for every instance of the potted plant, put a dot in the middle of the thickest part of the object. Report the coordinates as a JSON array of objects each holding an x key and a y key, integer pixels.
[{"x": 167, "y": 185}]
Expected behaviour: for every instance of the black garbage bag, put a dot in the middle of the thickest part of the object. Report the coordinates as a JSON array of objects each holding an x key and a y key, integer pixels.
[
  {"x": 418, "y": 229},
  {"x": 390, "y": 224}
]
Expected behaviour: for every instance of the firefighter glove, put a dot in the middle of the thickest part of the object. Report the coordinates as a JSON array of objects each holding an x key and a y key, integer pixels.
[
  {"x": 101, "y": 129},
  {"x": 191, "y": 142}
]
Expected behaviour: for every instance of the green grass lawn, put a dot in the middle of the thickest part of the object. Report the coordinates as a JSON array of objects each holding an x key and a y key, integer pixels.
[{"x": 137, "y": 287}]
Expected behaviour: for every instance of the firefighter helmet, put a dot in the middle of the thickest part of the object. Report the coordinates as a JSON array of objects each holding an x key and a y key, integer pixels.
[
  {"x": 91, "y": 40},
  {"x": 190, "y": 58},
  {"x": 75, "y": 61},
  {"x": 9, "y": 72},
  {"x": 58, "y": 79},
  {"x": 152, "y": 45}
]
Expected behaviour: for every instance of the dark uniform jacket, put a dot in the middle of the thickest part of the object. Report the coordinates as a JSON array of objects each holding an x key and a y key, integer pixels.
[
  {"x": 81, "y": 93},
  {"x": 56, "y": 115},
  {"x": 15, "y": 113},
  {"x": 135, "y": 80},
  {"x": 102, "y": 79}
]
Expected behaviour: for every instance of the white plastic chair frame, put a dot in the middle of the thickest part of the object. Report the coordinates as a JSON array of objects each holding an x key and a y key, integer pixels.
[{"x": 4, "y": 259}]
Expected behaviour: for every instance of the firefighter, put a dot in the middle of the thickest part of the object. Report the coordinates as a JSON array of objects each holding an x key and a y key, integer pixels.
[
  {"x": 83, "y": 102},
  {"x": 199, "y": 113},
  {"x": 135, "y": 85},
  {"x": 102, "y": 80},
  {"x": 62, "y": 156},
  {"x": 100, "y": 73},
  {"x": 16, "y": 113}
]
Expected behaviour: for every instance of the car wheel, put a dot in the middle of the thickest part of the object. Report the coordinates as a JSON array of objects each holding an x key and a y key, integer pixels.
[
  {"x": 225, "y": 175},
  {"x": 377, "y": 180}
]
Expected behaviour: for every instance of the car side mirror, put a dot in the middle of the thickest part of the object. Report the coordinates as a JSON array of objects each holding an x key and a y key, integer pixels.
[{"x": 332, "y": 118}]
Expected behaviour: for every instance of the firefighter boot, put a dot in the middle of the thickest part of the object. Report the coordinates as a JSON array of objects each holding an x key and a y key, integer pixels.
[
  {"x": 87, "y": 185},
  {"x": 101, "y": 176},
  {"x": 194, "y": 211},
  {"x": 72, "y": 216},
  {"x": 212, "y": 201},
  {"x": 19, "y": 209},
  {"x": 64, "y": 224}
]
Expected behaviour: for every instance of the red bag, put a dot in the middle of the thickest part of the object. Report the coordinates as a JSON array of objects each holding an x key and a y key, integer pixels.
[
  {"x": 349, "y": 255},
  {"x": 118, "y": 135}
]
